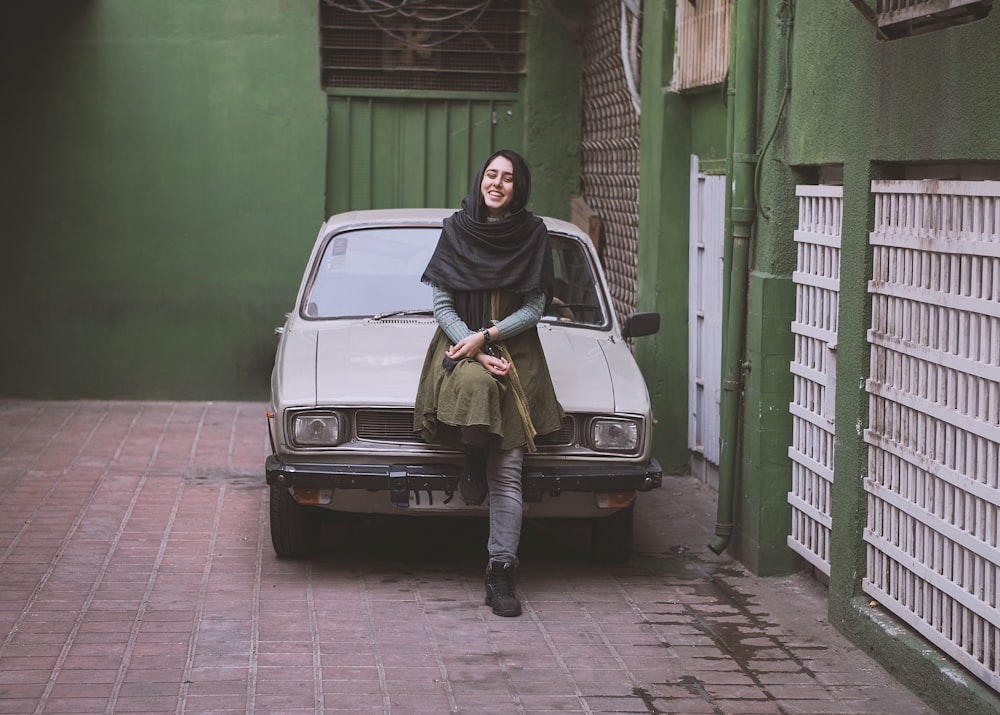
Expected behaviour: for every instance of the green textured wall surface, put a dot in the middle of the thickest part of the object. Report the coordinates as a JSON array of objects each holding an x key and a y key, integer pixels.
[
  {"x": 879, "y": 109},
  {"x": 161, "y": 185},
  {"x": 708, "y": 129},
  {"x": 662, "y": 268},
  {"x": 166, "y": 167},
  {"x": 931, "y": 97},
  {"x": 763, "y": 515},
  {"x": 764, "y": 520},
  {"x": 551, "y": 102}
]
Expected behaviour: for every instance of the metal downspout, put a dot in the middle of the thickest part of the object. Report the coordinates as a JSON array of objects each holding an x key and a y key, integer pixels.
[{"x": 742, "y": 212}]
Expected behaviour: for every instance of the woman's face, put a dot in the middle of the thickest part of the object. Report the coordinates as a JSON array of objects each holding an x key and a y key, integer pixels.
[{"x": 498, "y": 186}]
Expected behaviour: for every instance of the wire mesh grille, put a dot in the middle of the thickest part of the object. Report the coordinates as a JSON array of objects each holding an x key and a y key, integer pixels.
[
  {"x": 423, "y": 44},
  {"x": 397, "y": 426},
  {"x": 610, "y": 150}
]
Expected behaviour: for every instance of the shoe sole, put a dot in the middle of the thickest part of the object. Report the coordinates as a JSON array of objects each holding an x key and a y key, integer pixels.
[{"x": 505, "y": 614}]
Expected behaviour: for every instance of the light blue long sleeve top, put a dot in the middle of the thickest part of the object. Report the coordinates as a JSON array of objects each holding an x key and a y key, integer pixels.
[{"x": 520, "y": 320}]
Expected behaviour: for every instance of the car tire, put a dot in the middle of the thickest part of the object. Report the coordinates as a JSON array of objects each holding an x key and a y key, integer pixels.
[
  {"x": 611, "y": 536},
  {"x": 294, "y": 528}
]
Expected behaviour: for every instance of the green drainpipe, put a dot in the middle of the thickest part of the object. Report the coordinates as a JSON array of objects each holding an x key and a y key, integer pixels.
[{"x": 743, "y": 160}]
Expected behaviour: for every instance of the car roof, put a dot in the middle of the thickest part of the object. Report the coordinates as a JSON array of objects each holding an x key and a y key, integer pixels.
[{"x": 420, "y": 217}]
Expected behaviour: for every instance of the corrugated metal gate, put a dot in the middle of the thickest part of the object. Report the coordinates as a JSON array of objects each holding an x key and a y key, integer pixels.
[
  {"x": 419, "y": 94},
  {"x": 702, "y": 43},
  {"x": 814, "y": 371},
  {"x": 707, "y": 237},
  {"x": 411, "y": 152},
  {"x": 933, "y": 478},
  {"x": 610, "y": 149}
]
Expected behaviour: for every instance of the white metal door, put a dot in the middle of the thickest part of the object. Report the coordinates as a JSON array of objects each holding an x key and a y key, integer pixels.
[
  {"x": 708, "y": 211},
  {"x": 814, "y": 370}
]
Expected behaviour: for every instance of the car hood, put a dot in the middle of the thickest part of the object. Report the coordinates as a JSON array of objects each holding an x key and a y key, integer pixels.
[{"x": 379, "y": 364}]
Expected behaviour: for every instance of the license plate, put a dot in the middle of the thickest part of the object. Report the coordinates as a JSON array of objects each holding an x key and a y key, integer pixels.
[{"x": 435, "y": 500}]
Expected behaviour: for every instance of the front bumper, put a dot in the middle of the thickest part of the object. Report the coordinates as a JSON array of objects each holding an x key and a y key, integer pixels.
[{"x": 398, "y": 480}]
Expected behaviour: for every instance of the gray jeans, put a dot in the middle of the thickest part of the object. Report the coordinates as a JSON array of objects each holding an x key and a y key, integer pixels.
[{"x": 503, "y": 475}]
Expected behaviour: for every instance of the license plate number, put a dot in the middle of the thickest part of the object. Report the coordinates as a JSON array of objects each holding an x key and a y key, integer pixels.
[{"x": 435, "y": 500}]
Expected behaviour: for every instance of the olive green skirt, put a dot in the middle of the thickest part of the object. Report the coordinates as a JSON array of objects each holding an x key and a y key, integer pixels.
[{"x": 469, "y": 396}]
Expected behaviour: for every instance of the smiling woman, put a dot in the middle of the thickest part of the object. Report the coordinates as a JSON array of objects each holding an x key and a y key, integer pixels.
[{"x": 485, "y": 384}]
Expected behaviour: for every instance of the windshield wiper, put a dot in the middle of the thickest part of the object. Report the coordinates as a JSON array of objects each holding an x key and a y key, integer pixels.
[{"x": 404, "y": 311}]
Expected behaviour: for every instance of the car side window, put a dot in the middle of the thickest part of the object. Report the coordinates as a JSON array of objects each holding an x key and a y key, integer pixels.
[{"x": 575, "y": 296}]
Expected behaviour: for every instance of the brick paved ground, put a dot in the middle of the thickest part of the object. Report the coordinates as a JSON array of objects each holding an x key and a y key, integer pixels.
[{"x": 136, "y": 575}]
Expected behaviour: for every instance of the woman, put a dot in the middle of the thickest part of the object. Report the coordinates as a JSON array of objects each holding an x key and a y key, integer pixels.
[{"x": 485, "y": 384}]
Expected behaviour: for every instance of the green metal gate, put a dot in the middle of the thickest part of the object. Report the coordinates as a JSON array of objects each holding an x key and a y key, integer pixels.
[{"x": 411, "y": 151}]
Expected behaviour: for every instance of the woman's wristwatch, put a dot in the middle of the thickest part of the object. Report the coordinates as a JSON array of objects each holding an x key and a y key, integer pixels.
[{"x": 486, "y": 336}]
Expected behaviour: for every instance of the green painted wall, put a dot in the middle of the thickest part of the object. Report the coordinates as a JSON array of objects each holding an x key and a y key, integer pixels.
[
  {"x": 392, "y": 148},
  {"x": 551, "y": 103},
  {"x": 931, "y": 97},
  {"x": 763, "y": 516},
  {"x": 162, "y": 179},
  {"x": 662, "y": 267},
  {"x": 165, "y": 172},
  {"x": 672, "y": 127},
  {"x": 708, "y": 128},
  {"x": 878, "y": 109}
]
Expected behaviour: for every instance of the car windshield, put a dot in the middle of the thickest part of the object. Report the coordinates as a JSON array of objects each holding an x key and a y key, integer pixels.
[{"x": 375, "y": 272}]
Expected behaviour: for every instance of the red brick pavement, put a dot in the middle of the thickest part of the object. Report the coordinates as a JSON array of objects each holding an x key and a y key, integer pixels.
[{"x": 136, "y": 575}]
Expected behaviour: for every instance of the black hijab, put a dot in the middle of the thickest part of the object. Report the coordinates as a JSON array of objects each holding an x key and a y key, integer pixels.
[{"x": 475, "y": 256}]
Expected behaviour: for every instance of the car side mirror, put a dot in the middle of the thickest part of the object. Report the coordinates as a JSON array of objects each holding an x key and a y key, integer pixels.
[{"x": 639, "y": 324}]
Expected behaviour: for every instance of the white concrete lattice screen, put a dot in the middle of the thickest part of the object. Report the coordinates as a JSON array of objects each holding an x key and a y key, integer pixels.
[
  {"x": 934, "y": 415},
  {"x": 814, "y": 368}
]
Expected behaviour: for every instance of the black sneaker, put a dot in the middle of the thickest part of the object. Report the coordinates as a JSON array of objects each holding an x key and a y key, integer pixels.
[
  {"x": 472, "y": 486},
  {"x": 500, "y": 589}
]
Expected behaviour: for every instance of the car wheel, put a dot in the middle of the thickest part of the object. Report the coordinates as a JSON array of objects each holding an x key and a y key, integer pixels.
[
  {"x": 294, "y": 528},
  {"x": 611, "y": 536}
]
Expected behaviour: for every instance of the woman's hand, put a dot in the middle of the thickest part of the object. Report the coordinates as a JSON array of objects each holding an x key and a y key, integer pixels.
[
  {"x": 495, "y": 366},
  {"x": 471, "y": 347},
  {"x": 467, "y": 347}
]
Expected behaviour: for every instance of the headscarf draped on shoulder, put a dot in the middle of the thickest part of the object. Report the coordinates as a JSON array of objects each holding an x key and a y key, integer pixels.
[{"x": 475, "y": 256}]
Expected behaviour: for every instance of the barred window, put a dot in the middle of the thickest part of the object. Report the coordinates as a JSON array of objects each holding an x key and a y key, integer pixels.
[{"x": 457, "y": 45}]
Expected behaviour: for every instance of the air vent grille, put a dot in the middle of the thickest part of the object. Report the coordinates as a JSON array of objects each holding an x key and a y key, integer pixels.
[{"x": 423, "y": 44}]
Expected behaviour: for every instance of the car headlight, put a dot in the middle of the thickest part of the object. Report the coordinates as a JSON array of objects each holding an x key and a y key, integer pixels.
[
  {"x": 614, "y": 435},
  {"x": 312, "y": 429}
]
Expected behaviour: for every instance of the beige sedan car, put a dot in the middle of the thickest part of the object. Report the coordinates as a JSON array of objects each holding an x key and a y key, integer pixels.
[{"x": 345, "y": 376}]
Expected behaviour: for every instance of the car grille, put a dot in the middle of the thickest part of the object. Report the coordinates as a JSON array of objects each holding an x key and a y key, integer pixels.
[
  {"x": 397, "y": 426},
  {"x": 563, "y": 437},
  {"x": 385, "y": 426}
]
